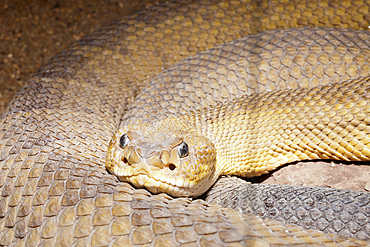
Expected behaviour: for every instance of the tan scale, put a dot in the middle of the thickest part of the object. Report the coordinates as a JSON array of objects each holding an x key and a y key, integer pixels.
[{"x": 54, "y": 187}]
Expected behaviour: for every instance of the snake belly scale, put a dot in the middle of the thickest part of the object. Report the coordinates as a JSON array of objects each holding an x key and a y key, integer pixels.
[{"x": 55, "y": 190}]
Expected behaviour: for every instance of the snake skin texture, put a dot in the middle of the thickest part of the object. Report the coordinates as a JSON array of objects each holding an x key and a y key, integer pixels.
[
  {"x": 248, "y": 145},
  {"x": 55, "y": 190},
  {"x": 343, "y": 212},
  {"x": 266, "y": 61}
]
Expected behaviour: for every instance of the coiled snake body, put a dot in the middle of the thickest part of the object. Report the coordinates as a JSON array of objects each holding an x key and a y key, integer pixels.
[{"x": 55, "y": 189}]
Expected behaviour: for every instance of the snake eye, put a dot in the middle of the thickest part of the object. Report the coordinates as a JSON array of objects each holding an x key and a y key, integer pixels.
[
  {"x": 123, "y": 141},
  {"x": 183, "y": 149}
]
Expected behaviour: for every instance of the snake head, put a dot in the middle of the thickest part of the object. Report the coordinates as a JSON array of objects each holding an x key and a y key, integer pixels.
[{"x": 163, "y": 157}]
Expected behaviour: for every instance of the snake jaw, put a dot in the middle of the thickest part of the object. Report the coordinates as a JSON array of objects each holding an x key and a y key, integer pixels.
[{"x": 146, "y": 175}]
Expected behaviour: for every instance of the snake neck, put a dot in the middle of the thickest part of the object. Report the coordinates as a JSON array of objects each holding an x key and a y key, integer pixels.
[{"x": 255, "y": 134}]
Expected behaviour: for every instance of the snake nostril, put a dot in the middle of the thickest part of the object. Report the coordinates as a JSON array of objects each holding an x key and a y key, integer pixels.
[
  {"x": 172, "y": 167},
  {"x": 125, "y": 160}
]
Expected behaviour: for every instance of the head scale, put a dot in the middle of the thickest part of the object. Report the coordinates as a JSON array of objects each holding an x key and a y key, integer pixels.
[{"x": 166, "y": 156}]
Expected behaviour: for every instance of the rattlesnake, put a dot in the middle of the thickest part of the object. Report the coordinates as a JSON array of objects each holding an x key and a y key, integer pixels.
[{"x": 55, "y": 189}]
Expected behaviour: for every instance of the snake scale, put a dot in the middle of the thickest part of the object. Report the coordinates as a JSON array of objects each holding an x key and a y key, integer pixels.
[{"x": 55, "y": 189}]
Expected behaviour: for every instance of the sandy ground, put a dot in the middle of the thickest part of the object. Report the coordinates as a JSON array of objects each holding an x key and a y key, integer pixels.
[{"x": 32, "y": 31}]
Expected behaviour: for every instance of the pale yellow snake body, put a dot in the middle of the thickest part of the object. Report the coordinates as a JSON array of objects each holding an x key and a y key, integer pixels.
[
  {"x": 55, "y": 190},
  {"x": 203, "y": 101}
]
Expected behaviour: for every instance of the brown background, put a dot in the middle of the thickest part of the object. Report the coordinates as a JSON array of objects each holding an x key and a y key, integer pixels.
[{"x": 33, "y": 31}]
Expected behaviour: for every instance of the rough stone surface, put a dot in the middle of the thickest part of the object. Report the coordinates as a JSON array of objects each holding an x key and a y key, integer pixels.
[{"x": 324, "y": 174}]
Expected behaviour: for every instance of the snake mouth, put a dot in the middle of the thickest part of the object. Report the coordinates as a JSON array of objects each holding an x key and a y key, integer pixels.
[
  {"x": 155, "y": 181},
  {"x": 156, "y": 185}
]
